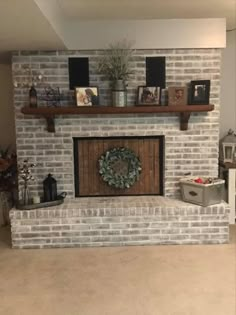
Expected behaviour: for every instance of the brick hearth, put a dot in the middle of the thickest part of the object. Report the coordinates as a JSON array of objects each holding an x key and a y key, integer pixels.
[{"x": 117, "y": 221}]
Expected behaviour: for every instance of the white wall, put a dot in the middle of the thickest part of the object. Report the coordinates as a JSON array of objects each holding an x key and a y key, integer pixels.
[
  {"x": 7, "y": 129},
  {"x": 146, "y": 34},
  {"x": 149, "y": 34},
  {"x": 228, "y": 86}
]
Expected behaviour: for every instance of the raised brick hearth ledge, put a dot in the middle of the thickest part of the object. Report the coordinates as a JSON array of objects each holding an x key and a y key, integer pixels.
[{"x": 117, "y": 221}]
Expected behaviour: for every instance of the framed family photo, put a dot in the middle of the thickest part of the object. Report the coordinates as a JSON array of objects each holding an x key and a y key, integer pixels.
[
  {"x": 86, "y": 96},
  {"x": 199, "y": 92},
  {"x": 148, "y": 95},
  {"x": 177, "y": 95}
]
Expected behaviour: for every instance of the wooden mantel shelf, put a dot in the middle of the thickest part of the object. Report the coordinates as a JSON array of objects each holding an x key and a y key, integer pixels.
[{"x": 50, "y": 112}]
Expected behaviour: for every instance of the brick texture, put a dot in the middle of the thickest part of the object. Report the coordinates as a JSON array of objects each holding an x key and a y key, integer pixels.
[
  {"x": 194, "y": 150},
  {"x": 120, "y": 221}
]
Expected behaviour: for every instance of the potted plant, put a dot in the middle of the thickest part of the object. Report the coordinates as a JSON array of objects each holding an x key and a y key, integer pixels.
[
  {"x": 8, "y": 171},
  {"x": 115, "y": 66}
]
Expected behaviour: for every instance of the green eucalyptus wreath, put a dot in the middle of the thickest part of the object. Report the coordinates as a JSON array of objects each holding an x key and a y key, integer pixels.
[{"x": 119, "y": 167}]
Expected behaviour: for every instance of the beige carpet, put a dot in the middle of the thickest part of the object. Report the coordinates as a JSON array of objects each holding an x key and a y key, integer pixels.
[{"x": 152, "y": 280}]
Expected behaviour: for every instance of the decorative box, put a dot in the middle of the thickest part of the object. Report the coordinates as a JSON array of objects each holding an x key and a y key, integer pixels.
[{"x": 200, "y": 193}]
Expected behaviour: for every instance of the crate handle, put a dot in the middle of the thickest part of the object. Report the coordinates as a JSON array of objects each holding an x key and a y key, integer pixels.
[{"x": 193, "y": 193}]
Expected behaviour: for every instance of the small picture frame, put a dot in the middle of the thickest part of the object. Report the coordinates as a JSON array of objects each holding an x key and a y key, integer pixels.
[
  {"x": 177, "y": 95},
  {"x": 199, "y": 92},
  {"x": 86, "y": 96},
  {"x": 148, "y": 95}
]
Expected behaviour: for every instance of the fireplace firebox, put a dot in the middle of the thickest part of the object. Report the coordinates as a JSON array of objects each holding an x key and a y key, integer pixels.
[{"x": 149, "y": 150}]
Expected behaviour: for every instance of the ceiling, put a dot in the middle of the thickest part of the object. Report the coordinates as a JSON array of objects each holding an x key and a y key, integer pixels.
[
  {"x": 149, "y": 9},
  {"x": 23, "y": 26},
  {"x": 38, "y": 24}
]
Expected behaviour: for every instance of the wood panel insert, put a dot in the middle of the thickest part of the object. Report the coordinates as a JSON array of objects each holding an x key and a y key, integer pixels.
[{"x": 88, "y": 181}]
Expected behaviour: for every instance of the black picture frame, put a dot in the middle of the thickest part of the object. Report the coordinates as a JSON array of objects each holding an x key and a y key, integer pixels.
[
  {"x": 148, "y": 95},
  {"x": 86, "y": 95},
  {"x": 199, "y": 92}
]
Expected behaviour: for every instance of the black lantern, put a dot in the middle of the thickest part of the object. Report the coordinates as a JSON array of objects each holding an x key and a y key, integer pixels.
[{"x": 50, "y": 188}]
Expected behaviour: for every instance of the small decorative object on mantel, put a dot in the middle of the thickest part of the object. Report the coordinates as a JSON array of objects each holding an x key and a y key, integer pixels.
[
  {"x": 228, "y": 148},
  {"x": 119, "y": 94},
  {"x": 164, "y": 97},
  {"x": 177, "y": 95},
  {"x": 25, "y": 173},
  {"x": 52, "y": 96},
  {"x": 32, "y": 97},
  {"x": 148, "y": 95},
  {"x": 199, "y": 92},
  {"x": 50, "y": 188},
  {"x": 86, "y": 96},
  {"x": 120, "y": 167},
  {"x": 116, "y": 66}
]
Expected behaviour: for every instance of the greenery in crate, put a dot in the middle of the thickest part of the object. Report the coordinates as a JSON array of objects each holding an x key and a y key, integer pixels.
[
  {"x": 8, "y": 170},
  {"x": 115, "y": 64}
]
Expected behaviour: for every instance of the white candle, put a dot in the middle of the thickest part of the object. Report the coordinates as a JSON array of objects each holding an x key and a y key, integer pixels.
[{"x": 36, "y": 199}]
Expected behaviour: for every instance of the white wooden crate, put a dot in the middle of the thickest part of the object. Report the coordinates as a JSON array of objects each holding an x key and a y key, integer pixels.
[{"x": 202, "y": 194}]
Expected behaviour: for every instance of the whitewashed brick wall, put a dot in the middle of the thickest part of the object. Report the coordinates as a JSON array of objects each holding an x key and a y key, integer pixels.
[
  {"x": 194, "y": 150},
  {"x": 119, "y": 221}
]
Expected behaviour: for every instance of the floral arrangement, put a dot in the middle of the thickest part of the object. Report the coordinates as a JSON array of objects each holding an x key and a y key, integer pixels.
[
  {"x": 115, "y": 64},
  {"x": 8, "y": 170},
  {"x": 25, "y": 171},
  {"x": 25, "y": 174}
]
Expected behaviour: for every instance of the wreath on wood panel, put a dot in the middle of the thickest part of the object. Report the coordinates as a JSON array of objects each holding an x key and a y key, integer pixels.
[{"x": 120, "y": 167}]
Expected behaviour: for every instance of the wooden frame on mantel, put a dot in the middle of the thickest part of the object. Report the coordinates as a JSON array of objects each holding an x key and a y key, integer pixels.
[{"x": 49, "y": 113}]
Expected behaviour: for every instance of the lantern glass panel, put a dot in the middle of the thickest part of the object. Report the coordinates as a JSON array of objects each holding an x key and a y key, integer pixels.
[
  {"x": 234, "y": 154},
  {"x": 228, "y": 152}
]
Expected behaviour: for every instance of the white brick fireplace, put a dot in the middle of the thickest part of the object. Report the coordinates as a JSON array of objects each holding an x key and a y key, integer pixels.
[{"x": 192, "y": 151}]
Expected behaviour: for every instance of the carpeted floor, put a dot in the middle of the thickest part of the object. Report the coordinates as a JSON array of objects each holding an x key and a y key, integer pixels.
[{"x": 151, "y": 280}]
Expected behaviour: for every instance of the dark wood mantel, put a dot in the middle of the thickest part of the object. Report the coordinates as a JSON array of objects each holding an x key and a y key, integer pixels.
[{"x": 50, "y": 112}]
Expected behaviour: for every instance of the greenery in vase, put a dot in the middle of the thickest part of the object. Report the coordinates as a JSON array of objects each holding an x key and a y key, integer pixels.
[{"x": 115, "y": 64}]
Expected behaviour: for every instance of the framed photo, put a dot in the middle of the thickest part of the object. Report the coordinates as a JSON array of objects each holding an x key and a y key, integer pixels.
[
  {"x": 199, "y": 92},
  {"x": 177, "y": 95},
  {"x": 86, "y": 96},
  {"x": 148, "y": 95}
]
